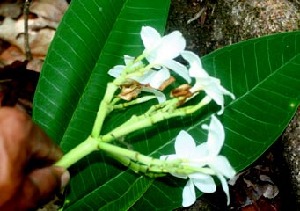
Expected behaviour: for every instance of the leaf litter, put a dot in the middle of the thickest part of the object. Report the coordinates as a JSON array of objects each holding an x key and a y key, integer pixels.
[{"x": 43, "y": 19}]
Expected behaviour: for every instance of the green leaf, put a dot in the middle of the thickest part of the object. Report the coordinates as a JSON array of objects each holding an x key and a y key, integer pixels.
[
  {"x": 90, "y": 31},
  {"x": 264, "y": 75},
  {"x": 93, "y": 36}
]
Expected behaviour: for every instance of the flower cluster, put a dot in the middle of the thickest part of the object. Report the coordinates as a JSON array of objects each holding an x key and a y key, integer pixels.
[
  {"x": 150, "y": 72},
  {"x": 205, "y": 159}
]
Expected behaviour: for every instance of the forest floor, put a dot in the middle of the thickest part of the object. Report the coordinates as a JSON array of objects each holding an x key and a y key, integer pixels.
[{"x": 272, "y": 182}]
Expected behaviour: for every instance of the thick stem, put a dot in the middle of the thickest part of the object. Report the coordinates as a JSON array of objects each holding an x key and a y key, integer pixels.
[
  {"x": 82, "y": 150},
  {"x": 138, "y": 122},
  {"x": 133, "y": 159},
  {"x": 152, "y": 166},
  {"x": 96, "y": 142},
  {"x": 105, "y": 107},
  {"x": 133, "y": 102}
]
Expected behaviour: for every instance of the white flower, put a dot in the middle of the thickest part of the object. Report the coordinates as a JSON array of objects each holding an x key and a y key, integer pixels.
[
  {"x": 152, "y": 78},
  {"x": 160, "y": 51},
  {"x": 203, "y": 155},
  {"x": 212, "y": 148},
  {"x": 211, "y": 85},
  {"x": 117, "y": 70},
  {"x": 160, "y": 96}
]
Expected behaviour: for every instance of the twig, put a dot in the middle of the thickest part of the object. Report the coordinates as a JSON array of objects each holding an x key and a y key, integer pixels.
[
  {"x": 27, "y": 47},
  {"x": 197, "y": 15}
]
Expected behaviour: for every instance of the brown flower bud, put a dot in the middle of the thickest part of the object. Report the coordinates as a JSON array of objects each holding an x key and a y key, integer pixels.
[
  {"x": 130, "y": 91},
  {"x": 182, "y": 91},
  {"x": 166, "y": 83}
]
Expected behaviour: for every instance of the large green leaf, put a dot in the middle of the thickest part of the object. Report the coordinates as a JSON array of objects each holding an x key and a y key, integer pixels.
[
  {"x": 92, "y": 37},
  {"x": 262, "y": 73}
]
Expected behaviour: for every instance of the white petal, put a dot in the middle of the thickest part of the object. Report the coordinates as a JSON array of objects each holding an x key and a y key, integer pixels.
[
  {"x": 225, "y": 187},
  {"x": 158, "y": 94},
  {"x": 216, "y": 136},
  {"x": 128, "y": 59},
  {"x": 163, "y": 157},
  {"x": 178, "y": 68},
  {"x": 116, "y": 70},
  {"x": 152, "y": 77},
  {"x": 206, "y": 184},
  {"x": 145, "y": 78},
  {"x": 202, "y": 150},
  {"x": 150, "y": 37},
  {"x": 222, "y": 165},
  {"x": 181, "y": 176},
  {"x": 197, "y": 72},
  {"x": 184, "y": 145},
  {"x": 159, "y": 78},
  {"x": 210, "y": 85},
  {"x": 168, "y": 157},
  {"x": 171, "y": 46},
  {"x": 188, "y": 194},
  {"x": 198, "y": 175},
  {"x": 223, "y": 91},
  {"x": 196, "y": 69},
  {"x": 173, "y": 157},
  {"x": 215, "y": 90}
]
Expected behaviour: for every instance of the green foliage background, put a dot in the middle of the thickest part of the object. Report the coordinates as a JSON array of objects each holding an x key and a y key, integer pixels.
[{"x": 264, "y": 75}]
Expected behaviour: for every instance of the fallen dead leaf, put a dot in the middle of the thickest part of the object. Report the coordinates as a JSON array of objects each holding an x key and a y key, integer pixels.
[
  {"x": 35, "y": 64},
  {"x": 49, "y": 9},
  {"x": 41, "y": 29},
  {"x": 10, "y": 10},
  {"x": 12, "y": 54},
  {"x": 270, "y": 191},
  {"x": 39, "y": 33}
]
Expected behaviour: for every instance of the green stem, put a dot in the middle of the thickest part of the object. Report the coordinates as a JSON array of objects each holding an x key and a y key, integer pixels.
[
  {"x": 136, "y": 123},
  {"x": 96, "y": 142},
  {"x": 105, "y": 107},
  {"x": 149, "y": 119},
  {"x": 152, "y": 166},
  {"x": 82, "y": 150},
  {"x": 133, "y": 102}
]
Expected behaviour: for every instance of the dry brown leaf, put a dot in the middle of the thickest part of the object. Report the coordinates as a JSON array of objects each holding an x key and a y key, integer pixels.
[
  {"x": 10, "y": 10},
  {"x": 35, "y": 64},
  {"x": 12, "y": 31},
  {"x": 49, "y": 9},
  {"x": 41, "y": 31},
  {"x": 8, "y": 30},
  {"x": 40, "y": 41},
  {"x": 265, "y": 178},
  {"x": 270, "y": 191},
  {"x": 12, "y": 54}
]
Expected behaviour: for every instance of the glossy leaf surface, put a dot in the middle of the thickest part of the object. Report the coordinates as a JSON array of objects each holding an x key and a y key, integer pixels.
[{"x": 93, "y": 36}]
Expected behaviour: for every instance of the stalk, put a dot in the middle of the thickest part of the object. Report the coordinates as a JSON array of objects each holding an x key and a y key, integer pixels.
[
  {"x": 96, "y": 142},
  {"x": 77, "y": 153},
  {"x": 105, "y": 107}
]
